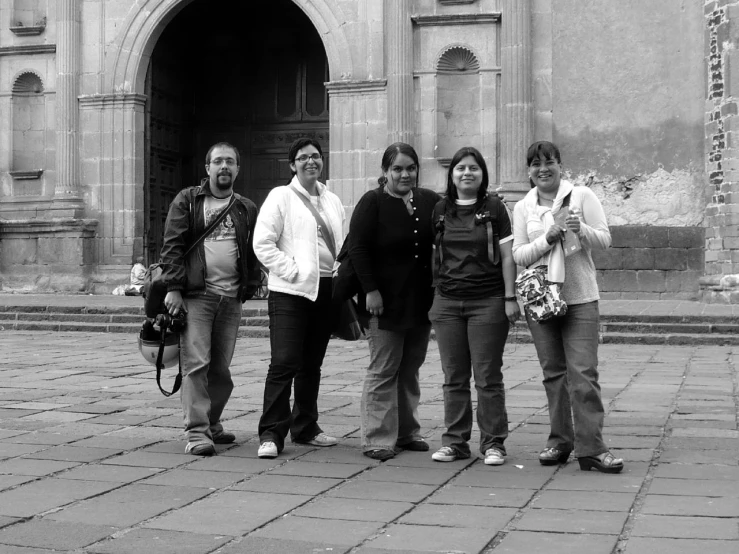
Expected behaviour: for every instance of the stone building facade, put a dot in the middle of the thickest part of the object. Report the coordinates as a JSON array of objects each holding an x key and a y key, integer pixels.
[{"x": 108, "y": 106}]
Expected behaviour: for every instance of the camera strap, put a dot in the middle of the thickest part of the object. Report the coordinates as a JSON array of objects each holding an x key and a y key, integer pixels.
[
  {"x": 160, "y": 365},
  {"x": 213, "y": 224}
]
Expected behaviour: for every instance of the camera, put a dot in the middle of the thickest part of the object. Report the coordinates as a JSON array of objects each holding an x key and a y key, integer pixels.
[{"x": 175, "y": 324}]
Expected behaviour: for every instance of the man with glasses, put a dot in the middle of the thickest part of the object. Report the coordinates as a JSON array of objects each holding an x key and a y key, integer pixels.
[{"x": 209, "y": 285}]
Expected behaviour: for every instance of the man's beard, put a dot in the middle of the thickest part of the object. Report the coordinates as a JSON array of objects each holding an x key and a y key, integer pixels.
[{"x": 226, "y": 185}]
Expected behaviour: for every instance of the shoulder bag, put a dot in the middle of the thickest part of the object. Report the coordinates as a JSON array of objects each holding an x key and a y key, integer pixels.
[{"x": 347, "y": 324}]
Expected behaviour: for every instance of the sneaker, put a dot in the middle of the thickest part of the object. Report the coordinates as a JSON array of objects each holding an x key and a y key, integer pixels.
[
  {"x": 322, "y": 439},
  {"x": 444, "y": 454},
  {"x": 200, "y": 449},
  {"x": 267, "y": 449},
  {"x": 494, "y": 457},
  {"x": 224, "y": 437}
]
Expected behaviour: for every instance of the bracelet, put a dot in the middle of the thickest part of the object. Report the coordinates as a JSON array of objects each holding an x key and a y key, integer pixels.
[{"x": 510, "y": 298}]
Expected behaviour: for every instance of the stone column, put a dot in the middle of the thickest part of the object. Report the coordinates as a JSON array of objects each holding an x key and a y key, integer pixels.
[
  {"x": 721, "y": 280},
  {"x": 517, "y": 100},
  {"x": 66, "y": 193},
  {"x": 399, "y": 70}
]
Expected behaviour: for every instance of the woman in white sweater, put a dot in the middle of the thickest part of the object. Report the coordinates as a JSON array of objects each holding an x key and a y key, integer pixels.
[
  {"x": 567, "y": 346},
  {"x": 299, "y": 253}
]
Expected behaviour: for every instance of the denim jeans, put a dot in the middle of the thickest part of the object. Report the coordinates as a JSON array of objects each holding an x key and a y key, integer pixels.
[
  {"x": 391, "y": 392},
  {"x": 207, "y": 346},
  {"x": 299, "y": 331},
  {"x": 471, "y": 335},
  {"x": 568, "y": 353}
]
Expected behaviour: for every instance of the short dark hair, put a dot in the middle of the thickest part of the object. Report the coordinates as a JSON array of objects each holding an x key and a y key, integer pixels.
[
  {"x": 391, "y": 153},
  {"x": 542, "y": 148},
  {"x": 223, "y": 145},
  {"x": 299, "y": 144},
  {"x": 451, "y": 190}
]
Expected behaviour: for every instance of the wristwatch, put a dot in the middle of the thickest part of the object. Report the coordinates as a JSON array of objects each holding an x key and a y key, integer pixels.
[{"x": 509, "y": 298}]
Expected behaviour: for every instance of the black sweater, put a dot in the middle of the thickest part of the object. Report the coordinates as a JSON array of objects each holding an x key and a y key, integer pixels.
[{"x": 391, "y": 252}]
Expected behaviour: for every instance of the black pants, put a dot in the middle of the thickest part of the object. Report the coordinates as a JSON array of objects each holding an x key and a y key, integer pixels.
[{"x": 299, "y": 331}]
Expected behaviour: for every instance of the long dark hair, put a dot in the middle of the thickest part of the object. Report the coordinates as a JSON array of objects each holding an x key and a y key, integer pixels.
[
  {"x": 392, "y": 152},
  {"x": 542, "y": 148},
  {"x": 451, "y": 190},
  {"x": 297, "y": 145}
]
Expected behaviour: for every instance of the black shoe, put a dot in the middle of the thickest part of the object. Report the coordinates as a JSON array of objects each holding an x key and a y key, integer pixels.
[
  {"x": 224, "y": 437},
  {"x": 553, "y": 456},
  {"x": 605, "y": 463},
  {"x": 418, "y": 445},
  {"x": 381, "y": 454}
]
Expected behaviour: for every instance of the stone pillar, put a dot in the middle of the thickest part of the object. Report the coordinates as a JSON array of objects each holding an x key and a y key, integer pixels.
[
  {"x": 517, "y": 120},
  {"x": 359, "y": 134},
  {"x": 66, "y": 193},
  {"x": 399, "y": 70},
  {"x": 721, "y": 280}
]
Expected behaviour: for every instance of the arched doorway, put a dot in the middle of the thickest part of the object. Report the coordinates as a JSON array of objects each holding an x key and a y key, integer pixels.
[{"x": 252, "y": 75}]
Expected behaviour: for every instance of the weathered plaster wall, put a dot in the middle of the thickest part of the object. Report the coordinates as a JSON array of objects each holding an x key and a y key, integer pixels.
[{"x": 628, "y": 89}]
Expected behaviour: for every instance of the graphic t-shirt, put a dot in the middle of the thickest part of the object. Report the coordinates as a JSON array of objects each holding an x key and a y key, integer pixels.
[{"x": 221, "y": 250}]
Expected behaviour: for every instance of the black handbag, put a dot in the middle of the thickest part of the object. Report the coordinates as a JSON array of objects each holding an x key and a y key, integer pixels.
[{"x": 346, "y": 319}]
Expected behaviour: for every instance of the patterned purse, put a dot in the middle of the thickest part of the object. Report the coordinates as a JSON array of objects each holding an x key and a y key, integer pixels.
[{"x": 542, "y": 300}]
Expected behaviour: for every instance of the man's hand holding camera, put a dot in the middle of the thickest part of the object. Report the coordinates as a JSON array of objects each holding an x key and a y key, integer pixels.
[{"x": 174, "y": 303}]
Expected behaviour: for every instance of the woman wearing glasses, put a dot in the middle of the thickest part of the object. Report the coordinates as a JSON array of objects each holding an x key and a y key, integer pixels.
[{"x": 298, "y": 232}]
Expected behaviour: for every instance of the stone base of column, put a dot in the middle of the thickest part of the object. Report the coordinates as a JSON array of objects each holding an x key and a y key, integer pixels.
[
  {"x": 47, "y": 255},
  {"x": 66, "y": 208},
  {"x": 719, "y": 289}
]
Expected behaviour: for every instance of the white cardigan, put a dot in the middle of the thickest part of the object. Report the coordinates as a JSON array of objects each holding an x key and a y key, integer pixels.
[{"x": 286, "y": 238}]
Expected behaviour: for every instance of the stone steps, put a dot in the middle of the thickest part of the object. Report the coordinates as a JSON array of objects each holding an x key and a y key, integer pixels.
[{"x": 614, "y": 328}]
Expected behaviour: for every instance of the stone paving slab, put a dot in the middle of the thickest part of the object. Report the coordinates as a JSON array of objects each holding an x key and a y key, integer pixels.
[
  {"x": 45, "y": 533},
  {"x": 669, "y": 415},
  {"x": 160, "y": 542}
]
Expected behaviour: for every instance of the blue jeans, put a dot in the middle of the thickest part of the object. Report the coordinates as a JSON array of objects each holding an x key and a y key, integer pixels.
[
  {"x": 568, "y": 353},
  {"x": 207, "y": 346},
  {"x": 391, "y": 392},
  {"x": 471, "y": 335},
  {"x": 299, "y": 331}
]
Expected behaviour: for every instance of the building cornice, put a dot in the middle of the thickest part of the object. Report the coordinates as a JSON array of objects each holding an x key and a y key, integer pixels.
[
  {"x": 27, "y": 49},
  {"x": 335, "y": 88},
  {"x": 456, "y": 19}
]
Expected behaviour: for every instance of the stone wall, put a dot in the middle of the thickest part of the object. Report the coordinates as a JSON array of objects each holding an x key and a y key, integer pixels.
[{"x": 651, "y": 262}]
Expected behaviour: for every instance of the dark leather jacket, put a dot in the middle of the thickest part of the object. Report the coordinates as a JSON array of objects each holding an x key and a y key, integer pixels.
[{"x": 185, "y": 223}]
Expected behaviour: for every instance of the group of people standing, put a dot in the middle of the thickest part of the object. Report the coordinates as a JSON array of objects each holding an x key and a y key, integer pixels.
[{"x": 422, "y": 260}]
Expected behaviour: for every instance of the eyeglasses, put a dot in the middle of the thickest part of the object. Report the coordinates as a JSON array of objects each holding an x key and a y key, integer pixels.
[
  {"x": 305, "y": 157},
  {"x": 220, "y": 161}
]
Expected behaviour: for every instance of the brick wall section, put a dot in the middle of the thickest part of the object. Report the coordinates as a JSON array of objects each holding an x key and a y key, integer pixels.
[
  {"x": 722, "y": 144},
  {"x": 651, "y": 262}
]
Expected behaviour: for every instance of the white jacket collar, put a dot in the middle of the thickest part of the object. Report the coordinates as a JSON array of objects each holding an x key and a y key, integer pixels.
[{"x": 320, "y": 187}]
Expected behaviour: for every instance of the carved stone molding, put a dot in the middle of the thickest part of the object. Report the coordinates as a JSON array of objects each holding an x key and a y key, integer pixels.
[
  {"x": 27, "y": 30},
  {"x": 456, "y": 19},
  {"x": 455, "y": 2},
  {"x": 336, "y": 88},
  {"x": 80, "y": 227},
  {"x": 26, "y": 175},
  {"x": 458, "y": 59},
  {"x": 27, "y": 49},
  {"x": 109, "y": 100}
]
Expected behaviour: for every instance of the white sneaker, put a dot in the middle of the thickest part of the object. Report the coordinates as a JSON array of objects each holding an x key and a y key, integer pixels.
[
  {"x": 444, "y": 454},
  {"x": 494, "y": 457},
  {"x": 322, "y": 439},
  {"x": 267, "y": 449}
]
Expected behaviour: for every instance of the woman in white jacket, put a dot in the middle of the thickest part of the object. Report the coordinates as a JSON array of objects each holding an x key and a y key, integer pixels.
[
  {"x": 299, "y": 254},
  {"x": 567, "y": 346}
]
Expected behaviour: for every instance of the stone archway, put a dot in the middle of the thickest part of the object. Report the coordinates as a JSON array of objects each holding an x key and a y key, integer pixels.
[{"x": 118, "y": 117}]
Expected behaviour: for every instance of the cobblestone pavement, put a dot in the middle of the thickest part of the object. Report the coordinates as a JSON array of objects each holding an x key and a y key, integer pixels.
[{"x": 92, "y": 460}]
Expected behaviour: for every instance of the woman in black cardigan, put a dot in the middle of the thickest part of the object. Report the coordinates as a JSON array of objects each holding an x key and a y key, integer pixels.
[{"x": 390, "y": 246}]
